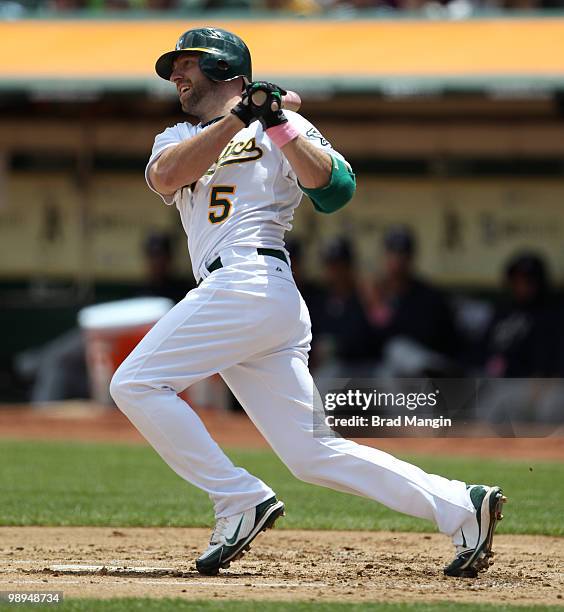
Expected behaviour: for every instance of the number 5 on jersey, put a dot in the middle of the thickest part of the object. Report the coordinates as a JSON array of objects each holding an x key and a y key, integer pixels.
[{"x": 220, "y": 207}]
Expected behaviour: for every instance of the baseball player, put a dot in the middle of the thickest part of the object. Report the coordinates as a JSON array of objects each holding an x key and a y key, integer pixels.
[{"x": 236, "y": 178}]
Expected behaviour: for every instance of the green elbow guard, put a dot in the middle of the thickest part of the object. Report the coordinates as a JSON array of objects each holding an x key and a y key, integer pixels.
[{"x": 338, "y": 192}]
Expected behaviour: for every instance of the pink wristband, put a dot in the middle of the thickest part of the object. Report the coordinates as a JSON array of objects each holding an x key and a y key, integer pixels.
[{"x": 282, "y": 134}]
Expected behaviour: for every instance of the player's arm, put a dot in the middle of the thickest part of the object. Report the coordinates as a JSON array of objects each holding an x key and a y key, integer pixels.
[
  {"x": 189, "y": 160},
  {"x": 311, "y": 165},
  {"x": 328, "y": 181}
]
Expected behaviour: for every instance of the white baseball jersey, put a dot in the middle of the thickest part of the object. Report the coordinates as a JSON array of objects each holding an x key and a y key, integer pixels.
[{"x": 247, "y": 198}]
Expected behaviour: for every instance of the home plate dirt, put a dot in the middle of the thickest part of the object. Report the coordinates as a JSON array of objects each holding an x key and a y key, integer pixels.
[{"x": 282, "y": 564}]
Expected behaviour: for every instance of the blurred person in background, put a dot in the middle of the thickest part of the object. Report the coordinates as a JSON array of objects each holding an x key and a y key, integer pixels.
[
  {"x": 522, "y": 350},
  {"x": 159, "y": 5},
  {"x": 160, "y": 280},
  {"x": 461, "y": 9},
  {"x": 297, "y": 7},
  {"x": 57, "y": 370},
  {"x": 68, "y": 5},
  {"x": 521, "y": 339},
  {"x": 311, "y": 291},
  {"x": 343, "y": 344},
  {"x": 126, "y": 5},
  {"x": 518, "y": 5},
  {"x": 412, "y": 318},
  {"x": 357, "y": 6},
  {"x": 227, "y": 5}
]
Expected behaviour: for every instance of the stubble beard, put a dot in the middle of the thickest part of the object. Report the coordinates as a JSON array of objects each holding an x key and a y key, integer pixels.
[{"x": 197, "y": 98}]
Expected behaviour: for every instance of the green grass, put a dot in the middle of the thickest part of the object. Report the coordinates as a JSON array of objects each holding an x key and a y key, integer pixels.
[
  {"x": 53, "y": 483},
  {"x": 179, "y": 605}
]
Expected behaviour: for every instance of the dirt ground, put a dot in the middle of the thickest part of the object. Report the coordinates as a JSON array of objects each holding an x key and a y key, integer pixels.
[
  {"x": 282, "y": 565},
  {"x": 84, "y": 421}
]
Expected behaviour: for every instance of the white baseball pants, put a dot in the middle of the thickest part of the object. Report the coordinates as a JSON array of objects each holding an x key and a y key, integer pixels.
[{"x": 248, "y": 322}]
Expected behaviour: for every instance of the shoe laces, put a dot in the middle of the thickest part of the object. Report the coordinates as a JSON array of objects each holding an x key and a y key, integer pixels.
[{"x": 218, "y": 533}]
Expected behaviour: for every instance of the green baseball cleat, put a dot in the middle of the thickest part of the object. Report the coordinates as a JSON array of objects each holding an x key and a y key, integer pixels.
[
  {"x": 232, "y": 535},
  {"x": 473, "y": 541}
]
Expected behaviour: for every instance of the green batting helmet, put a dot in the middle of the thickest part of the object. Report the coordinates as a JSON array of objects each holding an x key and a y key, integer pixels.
[{"x": 223, "y": 55}]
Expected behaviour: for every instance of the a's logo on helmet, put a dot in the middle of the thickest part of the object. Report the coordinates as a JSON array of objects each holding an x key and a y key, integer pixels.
[{"x": 180, "y": 43}]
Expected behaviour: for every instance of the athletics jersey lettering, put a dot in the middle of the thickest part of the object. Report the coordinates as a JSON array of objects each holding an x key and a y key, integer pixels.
[{"x": 237, "y": 153}]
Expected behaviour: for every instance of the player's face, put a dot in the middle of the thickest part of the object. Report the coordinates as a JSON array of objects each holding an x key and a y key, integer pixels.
[{"x": 192, "y": 85}]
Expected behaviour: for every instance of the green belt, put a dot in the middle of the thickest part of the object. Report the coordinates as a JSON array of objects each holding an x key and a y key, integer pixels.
[{"x": 216, "y": 264}]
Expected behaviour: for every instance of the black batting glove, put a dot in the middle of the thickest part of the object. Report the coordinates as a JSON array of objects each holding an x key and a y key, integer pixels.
[
  {"x": 243, "y": 110},
  {"x": 266, "y": 103}
]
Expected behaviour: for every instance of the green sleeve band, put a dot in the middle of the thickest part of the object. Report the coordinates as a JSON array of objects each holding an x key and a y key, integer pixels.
[{"x": 337, "y": 193}]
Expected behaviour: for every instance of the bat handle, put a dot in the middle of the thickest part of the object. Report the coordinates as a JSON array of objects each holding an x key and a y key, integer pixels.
[{"x": 290, "y": 101}]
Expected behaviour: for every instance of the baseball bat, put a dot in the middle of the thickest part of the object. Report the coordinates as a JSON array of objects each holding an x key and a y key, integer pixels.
[{"x": 291, "y": 101}]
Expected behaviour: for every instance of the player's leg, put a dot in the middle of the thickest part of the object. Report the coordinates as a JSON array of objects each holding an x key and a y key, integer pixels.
[
  {"x": 234, "y": 315},
  {"x": 189, "y": 343},
  {"x": 277, "y": 393}
]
